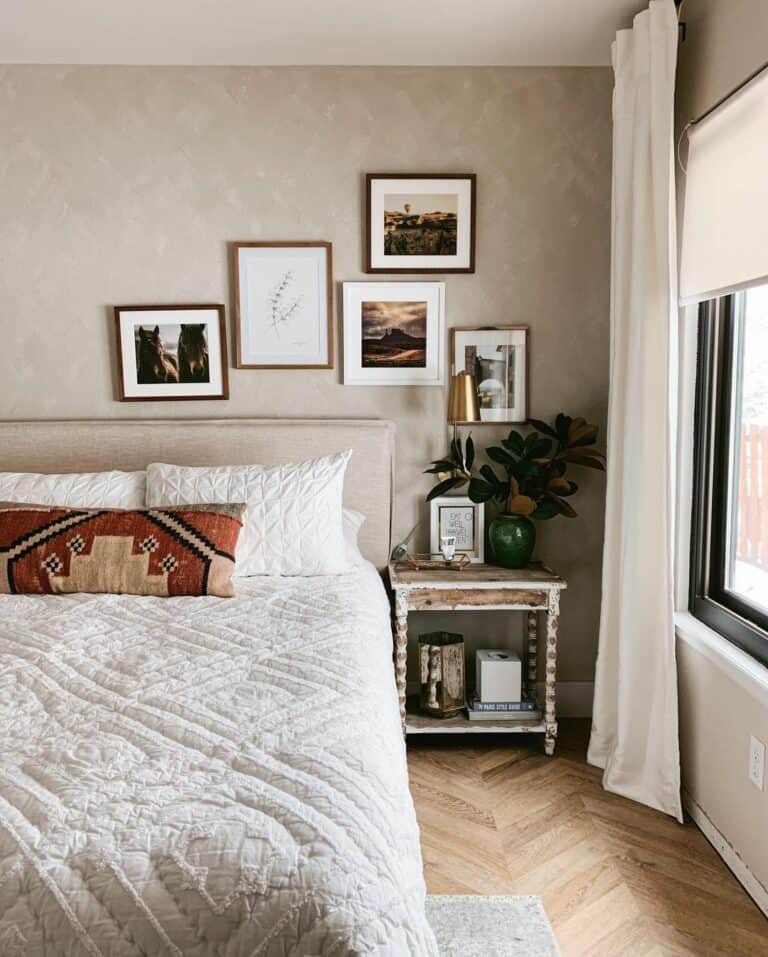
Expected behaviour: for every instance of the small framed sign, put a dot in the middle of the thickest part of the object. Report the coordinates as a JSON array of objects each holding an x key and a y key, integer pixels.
[{"x": 460, "y": 517}]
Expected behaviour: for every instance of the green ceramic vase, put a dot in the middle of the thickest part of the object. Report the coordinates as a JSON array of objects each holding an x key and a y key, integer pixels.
[{"x": 512, "y": 539}]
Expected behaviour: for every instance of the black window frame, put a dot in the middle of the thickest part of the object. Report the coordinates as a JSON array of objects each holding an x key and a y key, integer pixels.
[{"x": 739, "y": 621}]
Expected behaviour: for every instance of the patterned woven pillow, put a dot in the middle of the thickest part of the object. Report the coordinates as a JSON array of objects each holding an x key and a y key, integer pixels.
[{"x": 187, "y": 550}]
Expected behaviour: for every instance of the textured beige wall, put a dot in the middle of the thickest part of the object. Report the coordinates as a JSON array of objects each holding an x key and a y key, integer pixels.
[
  {"x": 124, "y": 185},
  {"x": 725, "y": 42}
]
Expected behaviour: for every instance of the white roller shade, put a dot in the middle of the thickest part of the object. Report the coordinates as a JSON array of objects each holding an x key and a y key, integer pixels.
[{"x": 725, "y": 220}]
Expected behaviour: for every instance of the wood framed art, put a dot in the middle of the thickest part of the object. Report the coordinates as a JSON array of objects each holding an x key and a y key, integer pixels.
[
  {"x": 283, "y": 305},
  {"x": 498, "y": 358},
  {"x": 171, "y": 352},
  {"x": 460, "y": 516},
  {"x": 394, "y": 333},
  {"x": 420, "y": 222}
]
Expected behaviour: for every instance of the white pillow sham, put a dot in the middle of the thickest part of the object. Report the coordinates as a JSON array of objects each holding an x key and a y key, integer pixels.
[
  {"x": 353, "y": 522},
  {"x": 293, "y": 525},
  {"x": 76, "y": 489}
]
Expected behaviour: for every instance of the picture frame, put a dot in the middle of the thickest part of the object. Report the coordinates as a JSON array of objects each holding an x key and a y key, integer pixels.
[
  {"x": 171, "y": 352},
  {"x": 420, "y": 222},
  {"x": 498, "y": 358},
  {"x": 458, "y": 515},
  {"x": 394, "y": 333},
  {"x": 283, "y": 305}
]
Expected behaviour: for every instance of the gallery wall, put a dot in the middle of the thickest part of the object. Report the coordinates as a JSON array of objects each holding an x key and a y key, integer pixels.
[{"x": 122, "y": 185}]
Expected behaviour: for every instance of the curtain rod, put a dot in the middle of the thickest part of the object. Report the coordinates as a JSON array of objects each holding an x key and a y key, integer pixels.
[{"x": 733, "y": 92}]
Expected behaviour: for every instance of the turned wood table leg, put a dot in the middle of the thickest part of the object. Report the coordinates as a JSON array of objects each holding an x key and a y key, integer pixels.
[
  {"x": 401, "y": 648},
  {"x": 550, "y": 720},
  {"x": 531, "y": 673}
]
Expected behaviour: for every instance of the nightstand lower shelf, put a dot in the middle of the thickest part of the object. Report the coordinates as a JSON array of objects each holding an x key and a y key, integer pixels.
[{"x": 418, "y": 723}]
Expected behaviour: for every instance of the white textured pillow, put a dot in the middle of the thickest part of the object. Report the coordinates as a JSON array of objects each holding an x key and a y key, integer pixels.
[
  {"x": 353, "y": 522},
  {"x": 293, "y": 525},
  {"x": 76, "y": 489}
]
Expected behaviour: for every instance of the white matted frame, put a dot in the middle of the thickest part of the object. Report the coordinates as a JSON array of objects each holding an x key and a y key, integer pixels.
[
  {"x": 283, "y": 305},
  {"x": 149, "y": 353},
  {"x": 502, "y": 392},
  {"x": 401, "y": 205},
  {"x": 460, "y": 516},
  {"x": 422, "y": 303}
]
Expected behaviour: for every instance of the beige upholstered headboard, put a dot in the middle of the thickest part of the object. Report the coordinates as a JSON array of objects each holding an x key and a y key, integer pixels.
[{"x": 129, "y": 444}]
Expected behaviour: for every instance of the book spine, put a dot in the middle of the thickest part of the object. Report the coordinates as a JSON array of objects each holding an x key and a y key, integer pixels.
[{"x": 503, "y": 705}]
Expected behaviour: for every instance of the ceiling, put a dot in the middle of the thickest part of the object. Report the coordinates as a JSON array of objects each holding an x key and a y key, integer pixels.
[{"x": 332, "y": 32}]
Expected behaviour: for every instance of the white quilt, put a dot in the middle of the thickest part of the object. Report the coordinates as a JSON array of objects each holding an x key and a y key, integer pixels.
[{"x": 202, "y": 776}]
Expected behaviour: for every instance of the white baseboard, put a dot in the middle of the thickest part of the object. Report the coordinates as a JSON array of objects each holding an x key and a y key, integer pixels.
[
  {"x": 729, "y": 854},
  {"x": 574, "y": 698}
]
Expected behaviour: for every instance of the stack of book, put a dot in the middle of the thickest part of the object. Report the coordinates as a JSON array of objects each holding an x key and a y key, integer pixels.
[{"x": 524, "y": 710}]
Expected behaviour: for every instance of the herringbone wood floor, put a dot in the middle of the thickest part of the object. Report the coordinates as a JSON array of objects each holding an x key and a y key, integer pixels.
[{"x": 617, "y": 879}]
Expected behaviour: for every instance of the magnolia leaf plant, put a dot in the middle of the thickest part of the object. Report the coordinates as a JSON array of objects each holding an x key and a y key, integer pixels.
[{"x": 533, "y": 468}]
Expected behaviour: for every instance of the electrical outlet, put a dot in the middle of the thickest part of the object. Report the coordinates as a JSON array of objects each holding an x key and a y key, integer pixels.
[{"x": 756, "y": 762}]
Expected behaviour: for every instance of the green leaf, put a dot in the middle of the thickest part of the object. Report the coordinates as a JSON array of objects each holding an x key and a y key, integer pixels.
[
  {"x": 562, "y": 426},
  {"x": 490, "y": 476},
  {"x": 544, "y": 510},
  {"x": 440, "y": 465},
  {"x": 470, "y": 452},
  {"x": 542, "y": 427},
  {"x": 442, "y": 487},
  {"x": 456, "y": 452},
  {"x": 495, "y": 454},
  {"x": 561, "y": 505},
  {"x": 589, "y": 460},
  {"x": 542, "y": 447},
  {"x": 514, "y": 442},
  {"x": 480, "y": 490},
  {"x": 586, "y": 435}
]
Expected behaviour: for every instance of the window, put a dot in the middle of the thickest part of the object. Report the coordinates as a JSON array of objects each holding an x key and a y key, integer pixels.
[{"x": 729, "y": 580}]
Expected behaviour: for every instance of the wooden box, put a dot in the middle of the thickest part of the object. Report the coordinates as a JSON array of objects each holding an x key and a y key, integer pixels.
[{"x": 441, "y": 674}]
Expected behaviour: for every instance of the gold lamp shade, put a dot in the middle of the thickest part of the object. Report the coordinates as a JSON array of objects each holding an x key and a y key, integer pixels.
[{"x": 462, "y": 399}]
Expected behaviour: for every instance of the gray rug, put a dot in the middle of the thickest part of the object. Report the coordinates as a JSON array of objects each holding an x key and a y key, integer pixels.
[{"x": 468, "y": 926}]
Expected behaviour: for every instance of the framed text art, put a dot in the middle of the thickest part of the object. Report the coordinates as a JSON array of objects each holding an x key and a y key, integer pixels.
[{"x": 462, "y": 518}]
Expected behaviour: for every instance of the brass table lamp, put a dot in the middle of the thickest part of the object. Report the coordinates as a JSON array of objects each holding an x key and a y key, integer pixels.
[{"x": 463, "y": 406}]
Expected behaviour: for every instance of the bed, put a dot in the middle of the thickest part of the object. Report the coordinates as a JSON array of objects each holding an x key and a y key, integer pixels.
[{"x": 202, "y": 776}]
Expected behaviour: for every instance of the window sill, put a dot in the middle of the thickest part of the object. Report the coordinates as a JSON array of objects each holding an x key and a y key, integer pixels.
[{"x": 737, "y": 664}]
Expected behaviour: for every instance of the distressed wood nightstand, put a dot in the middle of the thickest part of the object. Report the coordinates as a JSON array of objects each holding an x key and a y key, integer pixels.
[{"x": 479, "y": 587}]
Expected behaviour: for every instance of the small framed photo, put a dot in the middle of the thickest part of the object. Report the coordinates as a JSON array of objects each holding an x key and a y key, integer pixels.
[
  {"x": 394, "y": 333},
  {"x": 498, "y": 358},
  {"x": 283, "y": 308},
  {"x": 458, "y": 516},
  {"x": 171, "y": 352},
  {"x": 420, "y": 222}
]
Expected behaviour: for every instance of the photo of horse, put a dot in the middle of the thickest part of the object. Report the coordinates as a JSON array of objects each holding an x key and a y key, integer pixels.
[{"x": 171, "y": 352}]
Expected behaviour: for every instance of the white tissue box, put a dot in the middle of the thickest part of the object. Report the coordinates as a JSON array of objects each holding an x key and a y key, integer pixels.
[{"x": 498, "y": 676}]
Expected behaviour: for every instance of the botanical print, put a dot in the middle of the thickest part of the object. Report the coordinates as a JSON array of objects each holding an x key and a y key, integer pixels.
[
  {"x": 420, "y": 224},
  {"x": 394, "y": 334},
  {"x": 283, "y": 305},
  {"x": 172, "y": 353}
]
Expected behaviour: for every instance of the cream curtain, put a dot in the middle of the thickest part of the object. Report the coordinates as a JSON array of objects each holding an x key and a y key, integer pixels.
[{"x": 634, "y": 728}]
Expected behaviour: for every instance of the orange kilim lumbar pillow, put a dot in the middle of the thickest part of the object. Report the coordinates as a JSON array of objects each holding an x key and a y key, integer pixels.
[{"x": 185, "y": 550}]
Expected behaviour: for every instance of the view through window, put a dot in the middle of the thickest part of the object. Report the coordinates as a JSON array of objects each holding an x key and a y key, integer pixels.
[{"x": 746, "y": 572}]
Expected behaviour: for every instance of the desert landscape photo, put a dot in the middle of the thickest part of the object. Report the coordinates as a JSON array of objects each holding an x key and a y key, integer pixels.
[
  {"x": 420, "y": 224},
  {"x": 394, "y": 334}
]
